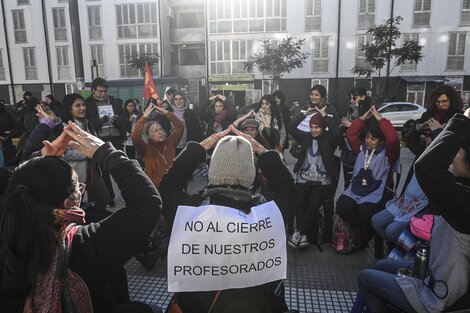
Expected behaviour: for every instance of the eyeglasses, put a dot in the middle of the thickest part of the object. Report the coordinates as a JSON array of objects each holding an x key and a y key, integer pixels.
[
  {"x": 178, "y": 99},
  {"x": 82, "y": 189},
  {"x": 442, "y": 101}
]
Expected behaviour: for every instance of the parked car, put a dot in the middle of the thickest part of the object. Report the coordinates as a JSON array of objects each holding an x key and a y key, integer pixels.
[{"x": 400, "y": 112}]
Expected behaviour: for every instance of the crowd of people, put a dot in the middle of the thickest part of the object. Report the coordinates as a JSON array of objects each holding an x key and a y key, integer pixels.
[{"x": 61, "y": 249}]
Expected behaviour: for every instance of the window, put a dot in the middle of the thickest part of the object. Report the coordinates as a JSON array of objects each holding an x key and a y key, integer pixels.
[
  {"x": 313, "y": 15},
  {"x": 63, "y": 68},
  {"x": 2, "y": 68},
  {"x": 137, "y": 20},
  {"x": 190, "y": 19},
  {"x": 366, "y": 17},
  {"x": 19, "y": 26},
  {"x": 227, "y": 16},
  {"x": 191, "y": 55},
  {"x": 94, "y": 22},
  {"x": 130, "y": 51},
  {"x": 422, "y": 13},
  {"x": 320, "y": 54},
  {"x": 60, "y": 27},
  {"x": 29, "y": 56},
  {"x": 465, "y": 13},
  {"x": 228, "y": 57},
  {"x": 456, "y": 53},
  {"x": 362, "y": 40},
  {"x": 410, "y": 65},
  {"x": 415, "y": 93},
  {"x": 96, "y": 53},
  {"x": 320, "y": 81},
  {"x": 20, "y": 2}
]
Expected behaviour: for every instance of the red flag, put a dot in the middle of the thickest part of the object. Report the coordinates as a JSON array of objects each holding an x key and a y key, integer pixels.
[{"x": 150, "y": 91}]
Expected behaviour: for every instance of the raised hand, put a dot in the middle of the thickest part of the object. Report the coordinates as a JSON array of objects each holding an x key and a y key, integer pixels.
[
  {"x": 309, "y": 111},
  {"x": 43, "y": 111},
  {"x": 366, "y": 115},
  {"x": 376, "y": 113},
  {"x": 161, "y": 110},
  {"x": 210, "y": 141},
  {"x": 82, "y": 141},
  {"x": 255, "y": 145},
  {"x": 149, "y": 110},
  {"x": 467, "y": 113},
  {"x": 321, "y": 111},
  {"x": 58, "y": 146}
]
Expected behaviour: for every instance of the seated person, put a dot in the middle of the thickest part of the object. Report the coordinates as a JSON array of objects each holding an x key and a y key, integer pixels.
[
  {"x": 396, "y": 216},
  {"x": 377, "y": 148},
  {"x": 231, "y": 174},
  {"x": 48, "y": 262},
  {"x": 443, "y": 172}
]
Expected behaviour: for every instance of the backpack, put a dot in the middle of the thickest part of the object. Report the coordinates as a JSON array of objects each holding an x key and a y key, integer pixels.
[{"x": 345, "y": 237}]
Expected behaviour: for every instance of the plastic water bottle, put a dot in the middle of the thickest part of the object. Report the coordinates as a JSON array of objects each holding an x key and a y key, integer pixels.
[{"x": 422, "y": 260}]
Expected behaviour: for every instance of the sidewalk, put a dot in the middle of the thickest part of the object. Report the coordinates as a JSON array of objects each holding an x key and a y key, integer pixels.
[{"x": 316, "y": 281}]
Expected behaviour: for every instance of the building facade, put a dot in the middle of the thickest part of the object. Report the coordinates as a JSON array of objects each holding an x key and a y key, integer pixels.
[{"x": 203, "y": 45}]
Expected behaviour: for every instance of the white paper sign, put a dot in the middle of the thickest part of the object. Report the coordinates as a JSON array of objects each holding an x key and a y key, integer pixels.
[
  {"x": 305, "y": 124},
  {"x": 105, "y": 110},
  {"x": 215, "y": 247}
]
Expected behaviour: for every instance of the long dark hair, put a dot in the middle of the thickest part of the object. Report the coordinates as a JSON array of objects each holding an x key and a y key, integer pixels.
[
  {"x": 126, "y": 113},
  {"x": 275, "y": 112},
  {"x": 454, "y": 98},
  {"x": 30, "y": 225},
  {"x": 67, "y": 105}
]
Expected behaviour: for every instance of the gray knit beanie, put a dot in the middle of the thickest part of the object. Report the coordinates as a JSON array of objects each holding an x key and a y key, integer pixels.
[{"x": 232, "y": 163}]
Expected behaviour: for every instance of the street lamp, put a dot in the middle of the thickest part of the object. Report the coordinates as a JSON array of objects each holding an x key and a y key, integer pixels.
[{"x": 94, "y": 70}]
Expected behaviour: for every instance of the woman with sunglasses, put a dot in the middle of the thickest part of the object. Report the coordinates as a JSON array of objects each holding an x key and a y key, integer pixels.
[
  {"x": 49, "y": 263},
  {"x": 443, "y": 172}
]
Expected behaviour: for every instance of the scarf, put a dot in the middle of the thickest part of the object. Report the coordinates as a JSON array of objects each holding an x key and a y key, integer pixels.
[
  {"x": 440, "y": 115},
  {"x": 59, "y": 289},
  {"x": 219, "y": 118},
  {"x": 179, "y": 112},
  {"x": 265, "y": 119},
  {"x": 159, "y": 145}
]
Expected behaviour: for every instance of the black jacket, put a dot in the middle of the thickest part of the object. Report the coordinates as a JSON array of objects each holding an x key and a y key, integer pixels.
[
  {"x": 93, "y": 116},
  {"x": 450, "y": 194},
  {"x": 100, "y": 250},
  {"x": 253, "y": 299},
  {"x": 207, "y": 114},
  {"x": 327, "y": 143}
]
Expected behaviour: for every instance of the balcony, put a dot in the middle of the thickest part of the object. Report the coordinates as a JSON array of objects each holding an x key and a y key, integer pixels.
[{"x": 187, "y": 35}]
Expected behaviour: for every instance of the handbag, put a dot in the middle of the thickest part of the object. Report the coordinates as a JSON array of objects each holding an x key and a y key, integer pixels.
[
  {"x": 364, "y": 183},
  {"x": 421, "y": 227},
  {"x": 174, "y": 306}
]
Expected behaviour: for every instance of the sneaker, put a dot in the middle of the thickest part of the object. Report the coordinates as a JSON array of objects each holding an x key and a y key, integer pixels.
[
  {"x": 294, "y": 240},
  {"x": 304, "y": 241}
]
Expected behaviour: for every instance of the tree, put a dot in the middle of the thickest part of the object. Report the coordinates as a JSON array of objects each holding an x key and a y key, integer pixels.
[
  {"x": 383, "y": 51},
  {"x": 278, "y": 57},
  {"x": 138, "y": 61}
]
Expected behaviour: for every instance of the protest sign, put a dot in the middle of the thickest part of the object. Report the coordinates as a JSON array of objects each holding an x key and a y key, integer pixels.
[
  {"x": 305, "y": 124},
  {"x": 215, "y": 247}
]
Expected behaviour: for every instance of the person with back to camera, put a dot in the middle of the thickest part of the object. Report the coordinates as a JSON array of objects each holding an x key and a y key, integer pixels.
[
  {"x": 231, "y": 174},
  {"x": 377, "y": 148},
  {"x": 443, "y": 172},
  {"x": 316, "y": 171},
  {"x": 38, "y": 233}
]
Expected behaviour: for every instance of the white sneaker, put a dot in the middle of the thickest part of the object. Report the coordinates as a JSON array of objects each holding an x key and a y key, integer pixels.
[
  {"x": 294, "y": 240},
  {"x": 304, "y": 241}
]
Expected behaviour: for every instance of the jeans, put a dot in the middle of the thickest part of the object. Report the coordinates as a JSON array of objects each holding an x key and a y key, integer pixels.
[
  {"x": 383, "y": 222},
  {"x": 379, "y": 287}
]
